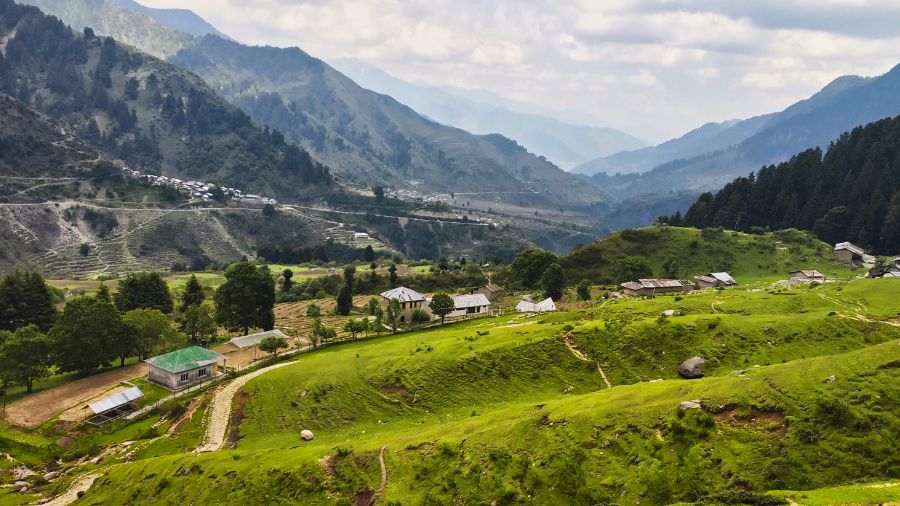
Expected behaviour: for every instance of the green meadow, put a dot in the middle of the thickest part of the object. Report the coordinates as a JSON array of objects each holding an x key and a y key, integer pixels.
[{"x": 499, "y": 410}]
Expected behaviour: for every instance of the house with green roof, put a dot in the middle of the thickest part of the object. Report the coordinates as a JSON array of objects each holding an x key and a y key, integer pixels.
[{"x": 183, "y": 368}]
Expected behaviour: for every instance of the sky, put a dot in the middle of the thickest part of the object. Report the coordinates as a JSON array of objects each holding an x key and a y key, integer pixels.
[{"x": 655, "y": 69}]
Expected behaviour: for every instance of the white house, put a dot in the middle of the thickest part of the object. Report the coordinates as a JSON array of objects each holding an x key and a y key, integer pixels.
[
  {"x": 183, "y": 368},
  {"x": 471, "y": 304},
  {"x": 361, "y": 236}
]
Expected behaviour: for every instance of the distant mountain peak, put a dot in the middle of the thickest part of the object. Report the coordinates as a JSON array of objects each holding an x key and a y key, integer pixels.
[{"x": 184, "y": 20}]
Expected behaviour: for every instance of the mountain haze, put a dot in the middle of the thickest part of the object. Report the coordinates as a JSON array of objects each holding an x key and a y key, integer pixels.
[
  {"x": 367, "y": 137},
  {"x": 844, "y": 104},
  {"x": 563, "y": 143}
]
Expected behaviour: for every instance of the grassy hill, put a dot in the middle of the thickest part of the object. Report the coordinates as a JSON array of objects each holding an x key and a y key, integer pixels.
[
  {"x": 498, "y": 409},
  {"x": 698, "y": 252}
]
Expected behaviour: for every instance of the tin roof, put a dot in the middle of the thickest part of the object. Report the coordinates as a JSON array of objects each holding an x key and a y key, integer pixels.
[
  {"x": 255, "y": 339},
  {"x": 116, "y": 400},
  {"x": 403, "y": 294},
  {"x": 809, "y": 273},
  {"x": 473, "y": 300},
  {"x": 856, "y": 250},
  {"x": 541, "y": 307},
  {"x": 185, "y": 359},
  {"x": 656, "y": 283}
]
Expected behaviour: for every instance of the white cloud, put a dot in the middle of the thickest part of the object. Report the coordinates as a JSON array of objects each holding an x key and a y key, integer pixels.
[{"x": 638, "y": 64}]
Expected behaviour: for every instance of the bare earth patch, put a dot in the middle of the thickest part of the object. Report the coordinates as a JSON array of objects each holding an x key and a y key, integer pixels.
[
  {"x": 37, "y": 408},
  {"x": 773, "y": 421}
]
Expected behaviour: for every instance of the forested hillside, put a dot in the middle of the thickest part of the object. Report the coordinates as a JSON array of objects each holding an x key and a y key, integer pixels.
[
  {"x": 31, "y": 145},
  {"x": 851, "y": 193},
  {"x": 149, "y": 113}
]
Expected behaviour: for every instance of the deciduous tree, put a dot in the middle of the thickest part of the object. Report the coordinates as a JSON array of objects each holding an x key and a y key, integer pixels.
[
  {"x": 441, "y": 305},
  {"x": 553, "y": 282},
  {"x": 24, "y": 357},
  {"x": 246, "y": 299},
  {"x": 84, "y": 336},
  {"x": 271, "y": 344}
]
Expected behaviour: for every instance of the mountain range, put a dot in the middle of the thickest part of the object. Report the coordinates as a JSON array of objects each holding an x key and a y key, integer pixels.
[
  {"x": 712, "y": 155},
  {"x": 566, "y": 144},
  {"x": 365, "y": 136}
]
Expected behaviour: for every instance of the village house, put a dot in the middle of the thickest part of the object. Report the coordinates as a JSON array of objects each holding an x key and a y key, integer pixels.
[
  {"x": 715, "y": 280},
  {"x": 490, "y": 290},
  {"x": 806, "y": 276},
  {"x": 656, "y": 286},
  {"x": 469, "y": 305},
  {"x": 183, "y": 368},
  {"x": 848, "y": 254},
  {"x": 361, "y": 236},
  {"x": 409, "y": 300},
  {"x": 889, "y": 270}
]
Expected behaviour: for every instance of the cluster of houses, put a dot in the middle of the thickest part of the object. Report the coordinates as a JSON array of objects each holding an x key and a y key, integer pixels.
[
  {"x": 643, "y": 287},
  {"x": 197, "y": 190}
]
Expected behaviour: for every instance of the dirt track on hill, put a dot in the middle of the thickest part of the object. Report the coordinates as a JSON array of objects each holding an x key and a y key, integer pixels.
[
  {"x": 81, "y": 484},
  {"x": 37, "y": 408},
  {"x": 581, "y": 356},
  {"x": 220, "y": 409}
]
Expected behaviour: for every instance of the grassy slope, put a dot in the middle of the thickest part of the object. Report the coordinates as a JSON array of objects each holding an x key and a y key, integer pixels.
[
  {"x": 745, "y": 256},
  {"x": 466, "y": 420}
]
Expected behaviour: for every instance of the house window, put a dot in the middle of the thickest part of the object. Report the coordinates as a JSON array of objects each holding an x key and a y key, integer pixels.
[
  {"x": 185, "y": 376},
  {"x": 202, "y": 372}
]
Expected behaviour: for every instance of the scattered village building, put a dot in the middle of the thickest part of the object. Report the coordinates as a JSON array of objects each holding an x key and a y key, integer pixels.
[
  {"x": 849, "y": 254},
  {"x": 890, "y": 270},
  {"x": 361, "y": 236},
  {"x": 409, "y": 299},
  {"x": 254, "y": 339},
  {"x": 715, "y": 280},
  {"x": 183, "y": 368},
  {"x": 469, "y": 305},
  {"x": 490, "y": 290},
  {"x": 114, "y": 407},
  {"x": 545, "y": 306},
  {"x": 656, "y": 286},
  {"x": 806, "y": 276}
]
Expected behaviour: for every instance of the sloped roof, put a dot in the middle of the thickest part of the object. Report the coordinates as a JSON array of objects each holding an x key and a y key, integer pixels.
[
  {"x": 541, "y": 307},
  {"x": 255, "y": 339},
  {"x": 724, "y": 277},
  {"x": 472, "y": 300},
  {"x": 856, "y": 250},
  {"x": 185, "y": 359},
  {"x": 809, "y": 273},
  {"x": 656, "y": 283},
  {"x": 116, "y": 400},
  {"x": 403, "y": 294}
]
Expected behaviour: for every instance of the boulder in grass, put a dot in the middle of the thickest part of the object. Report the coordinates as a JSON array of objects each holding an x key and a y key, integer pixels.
[
  {"x": 20, "y": 486},
  {"x": 307, "y": 435},
  {"x": 695, "y": 404},
  {"x": 692, "y": 368},
  {"x": 52, "y": 475}
]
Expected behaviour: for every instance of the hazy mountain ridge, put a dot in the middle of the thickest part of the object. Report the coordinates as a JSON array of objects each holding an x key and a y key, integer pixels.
[
  {"x": 370, "y": 137},
  {"x": 563, "y": 143},
  {"x": 149, "y": 113},
  {"x": 183, "y": 20},
  {"x": 844, "y": 104},
  {"x": 714, "y": 137}
]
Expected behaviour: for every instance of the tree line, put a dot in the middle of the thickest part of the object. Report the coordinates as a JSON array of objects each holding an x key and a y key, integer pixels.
[
  {"x": 849, "y": 193},
  {"x": 140, "y": 319}
]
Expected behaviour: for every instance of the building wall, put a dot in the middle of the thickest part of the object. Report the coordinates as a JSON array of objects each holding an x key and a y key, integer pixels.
[{"x": 173, "y": 381}]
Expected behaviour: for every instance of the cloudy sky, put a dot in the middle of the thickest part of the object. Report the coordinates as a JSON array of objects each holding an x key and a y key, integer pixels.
[{"x": 653, "y": 68}]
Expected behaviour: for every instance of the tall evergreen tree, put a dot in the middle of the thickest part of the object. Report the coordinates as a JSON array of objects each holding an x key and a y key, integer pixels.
[
  {"x": 144, "y": 290},
  {"x": 193, "y": 293},
  {"x": 25, "y": 299}
]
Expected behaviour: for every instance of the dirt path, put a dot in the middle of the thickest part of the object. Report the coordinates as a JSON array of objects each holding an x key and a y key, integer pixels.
[
  {"x": 81, "y": 484},
  {"x": 37, "y": 408},
  {"x": 581, "y": 356},
  {"x": 220, "y": 409},
  {"x": 384, "y": 478}
]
